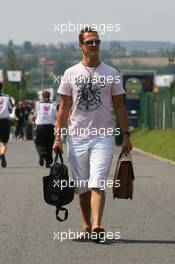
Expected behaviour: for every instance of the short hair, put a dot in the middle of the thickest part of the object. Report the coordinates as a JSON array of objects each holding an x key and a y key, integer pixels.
[
  {"x": 46, "y": 94},
  {"x": 84, "y": 30}
]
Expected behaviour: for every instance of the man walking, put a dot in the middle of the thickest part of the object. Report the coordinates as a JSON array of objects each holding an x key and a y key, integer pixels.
[
  {"x": 88, "y": 90},
  {"x": 5, "y": 111},
  {"x": 45, "y": 118},
  {"x": 20, "y": 121}
]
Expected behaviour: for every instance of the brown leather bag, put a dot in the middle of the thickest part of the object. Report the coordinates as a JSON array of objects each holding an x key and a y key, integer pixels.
[{"x": 123, "y": 184}]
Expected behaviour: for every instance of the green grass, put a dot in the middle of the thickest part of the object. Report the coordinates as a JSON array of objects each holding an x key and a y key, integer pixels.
[{"x": 158, "y": 142}]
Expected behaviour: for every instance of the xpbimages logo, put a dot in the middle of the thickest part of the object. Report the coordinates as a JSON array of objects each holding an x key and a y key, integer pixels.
[
  {"x": 102, "y": 80},
  {"x": 102, "y": 28},
  {"x": 72, "y": 235},
  {"x": 109, "y": 183},
  {"x": 83, "y": 132}
]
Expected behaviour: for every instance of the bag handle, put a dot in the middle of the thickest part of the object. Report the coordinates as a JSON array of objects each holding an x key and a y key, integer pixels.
[
  {"x": 123, "y": 153},
  {"x": 65, "y": 214},
  {"x": 124, "y": 156},
  {"x": 60, "y": 156}
]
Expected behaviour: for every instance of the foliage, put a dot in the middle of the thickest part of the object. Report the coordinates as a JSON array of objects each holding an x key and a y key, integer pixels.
[
  {"x": 17, "y": 90},
  {"x": 14, "y": 91},
  {"x": 158, "y": 142},
  {"x": 27, "y": 57}
]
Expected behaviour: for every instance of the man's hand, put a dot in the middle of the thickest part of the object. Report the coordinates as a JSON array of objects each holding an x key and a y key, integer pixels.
[
  {"x": 126, "y": 146},
  {"x": 57, "y": 145}
]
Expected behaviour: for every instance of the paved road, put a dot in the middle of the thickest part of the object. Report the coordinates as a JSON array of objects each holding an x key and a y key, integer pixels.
[{"x": 27, "y": 224}]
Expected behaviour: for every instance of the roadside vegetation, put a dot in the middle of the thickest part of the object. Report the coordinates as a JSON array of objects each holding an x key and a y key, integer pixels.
[{"x": 158, "y": 142}]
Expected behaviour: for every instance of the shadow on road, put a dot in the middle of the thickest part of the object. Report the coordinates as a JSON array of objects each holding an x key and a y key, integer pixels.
[{"x": 128, "y": 241}]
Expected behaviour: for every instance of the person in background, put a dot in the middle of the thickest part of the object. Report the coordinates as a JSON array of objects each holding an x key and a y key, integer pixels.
[
  {"x": 27, "y": 110},
  {"x": 44, "y": 118},
  {"x": 5, "y": 111},
  {"x": 20, "y": 121}
]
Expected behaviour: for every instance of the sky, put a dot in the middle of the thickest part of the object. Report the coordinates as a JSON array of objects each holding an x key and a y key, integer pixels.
[{"x": 40, "y": 21}]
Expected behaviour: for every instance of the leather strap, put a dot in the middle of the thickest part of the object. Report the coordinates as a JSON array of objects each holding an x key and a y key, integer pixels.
[{"x": 60, "y": 156}]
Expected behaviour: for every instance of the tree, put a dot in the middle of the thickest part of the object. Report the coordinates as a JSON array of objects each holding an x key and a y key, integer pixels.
[
  {"x": 27, "y": 47},
  {"x": 171, "y": 58},
  {"x": 61, "y": 65},
  {"x": 11, "y": 61},
  {"x": 13, "y": 89}
]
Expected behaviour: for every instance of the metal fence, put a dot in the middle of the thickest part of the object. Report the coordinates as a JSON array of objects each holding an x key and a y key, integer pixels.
[{"x": 157, "y": 110}]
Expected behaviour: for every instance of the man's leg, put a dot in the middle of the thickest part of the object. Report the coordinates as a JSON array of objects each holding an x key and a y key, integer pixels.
[
  {"x": 78, "y": 156},
  {"x": 40, "y": 143},
  {"x": 21, "y": 130},
  {"x": 85, "y": 205},
  {"x": 97, "y": 206},
  {"x": 37, "y": 145},
  {"x": 5, "y": 130},
  {"x": 100, "y": 163},
  {"x": 49, "y": 133},
  {"x": 3, "y": 149},
  {"x": 17, "y": 130}
]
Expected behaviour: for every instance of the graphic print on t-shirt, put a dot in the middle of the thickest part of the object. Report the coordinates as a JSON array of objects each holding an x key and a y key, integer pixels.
[
  {"x": 89, "y": 93},
  {"x": 46, "y": 109}
]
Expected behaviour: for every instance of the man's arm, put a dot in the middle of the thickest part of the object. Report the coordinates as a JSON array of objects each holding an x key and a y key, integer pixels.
[
  {"x": 34, "y": 115},
  {"x": 61, "y": 121},
  {"x": 122, "y": 118},
  {"x": 10, "y": 107}
]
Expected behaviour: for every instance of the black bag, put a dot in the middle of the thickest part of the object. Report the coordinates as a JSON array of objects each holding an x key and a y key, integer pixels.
[{"x": 58, "y": 188}]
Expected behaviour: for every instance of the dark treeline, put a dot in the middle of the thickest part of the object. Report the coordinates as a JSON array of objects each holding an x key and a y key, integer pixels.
[{"x": 38, "y": 61}]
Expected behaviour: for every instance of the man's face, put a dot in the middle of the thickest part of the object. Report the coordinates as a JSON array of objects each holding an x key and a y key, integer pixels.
[{"x": 88, "y": 48}]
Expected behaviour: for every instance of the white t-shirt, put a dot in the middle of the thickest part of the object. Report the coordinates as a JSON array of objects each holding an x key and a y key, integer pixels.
[
  {"x": 45, "y": 113},
  {"x": 91, "y": 90},
  {"x": 5, "y": 106}
]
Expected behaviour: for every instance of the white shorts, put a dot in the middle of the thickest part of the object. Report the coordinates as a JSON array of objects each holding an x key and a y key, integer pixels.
[{"x": 90, "y": 161}]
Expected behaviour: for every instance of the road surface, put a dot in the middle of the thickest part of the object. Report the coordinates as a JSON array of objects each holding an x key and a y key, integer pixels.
[{"x": 29, "y": 230}]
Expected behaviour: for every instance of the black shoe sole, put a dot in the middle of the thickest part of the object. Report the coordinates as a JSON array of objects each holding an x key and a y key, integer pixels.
[
  {"x": 98, "y": 235},
  {"x": 41, "y": 159},
  {"x": 41, "y": 162},
  {"x": 3, "y": 161}
]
